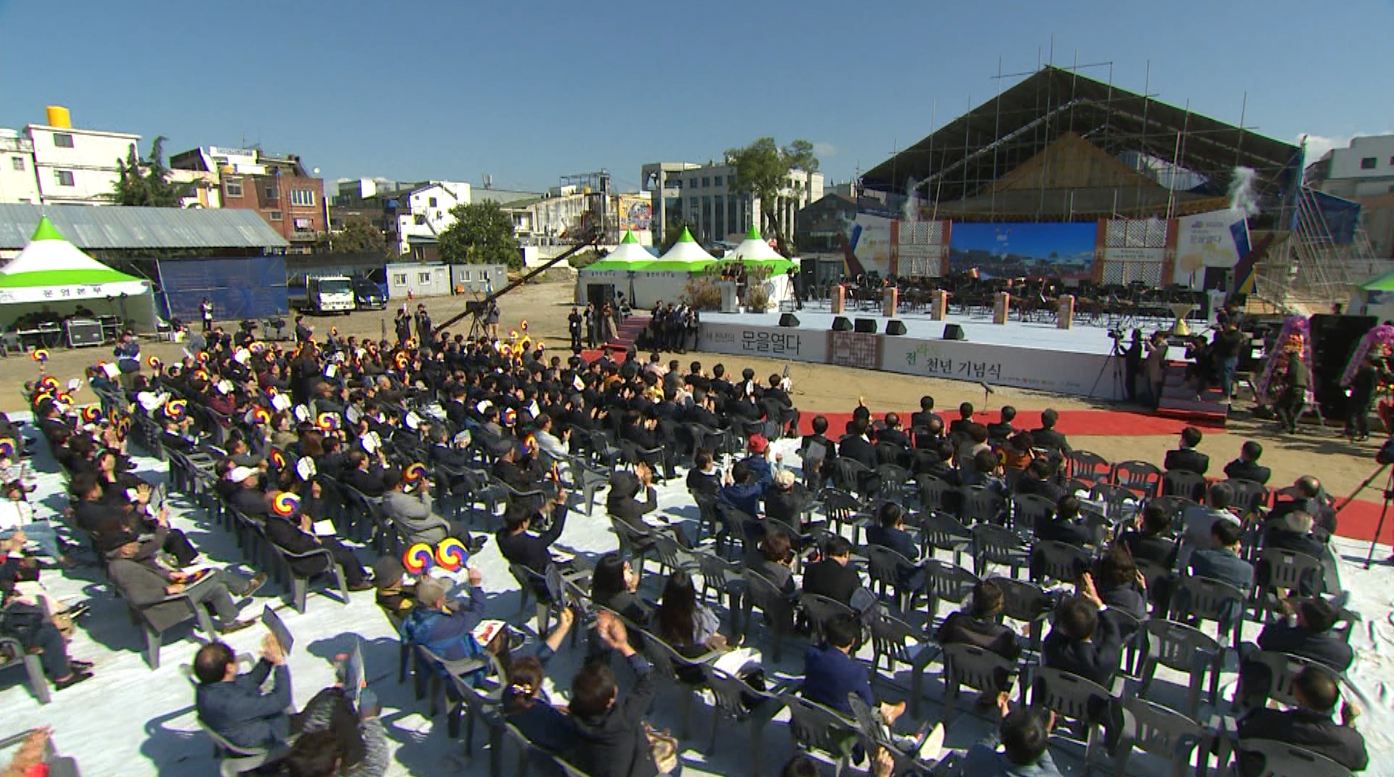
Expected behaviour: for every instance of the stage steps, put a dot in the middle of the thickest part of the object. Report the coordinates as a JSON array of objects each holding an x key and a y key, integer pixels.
[
  {"x": 1180, "y": 401},
  {"x": 617, "y": 346}
]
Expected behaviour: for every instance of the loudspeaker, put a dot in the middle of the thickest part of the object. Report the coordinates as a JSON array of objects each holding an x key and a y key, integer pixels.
[
  {"x": 788, "y": 319},
  {"x": 954, "y": 332},
  {"x": 895, "y": 327},
  {"x": 1333, "y": 341},
  {"x": 866, "y": 326},
  {"x": 841, "y": 324}
]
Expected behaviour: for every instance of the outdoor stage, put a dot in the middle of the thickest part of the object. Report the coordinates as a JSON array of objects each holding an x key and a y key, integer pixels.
[{"x": 1022, "y": 355}]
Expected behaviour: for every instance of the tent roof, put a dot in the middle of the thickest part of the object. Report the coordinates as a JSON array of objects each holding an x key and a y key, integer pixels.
[
  {"x": 50, "y": 260},
  {"x": 627, "y": 255},
  {"x": 753, "y": 248},
  {"x": 686, "y": 251}
]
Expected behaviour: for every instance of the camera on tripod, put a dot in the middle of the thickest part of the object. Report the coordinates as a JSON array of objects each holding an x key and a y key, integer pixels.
[
  {"x": 1115, "y": 334},
  {"x": 1385, "y": 454}
]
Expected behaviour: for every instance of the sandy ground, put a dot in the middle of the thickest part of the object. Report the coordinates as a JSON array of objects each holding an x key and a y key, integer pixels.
[{"x": 823, "y": 388}]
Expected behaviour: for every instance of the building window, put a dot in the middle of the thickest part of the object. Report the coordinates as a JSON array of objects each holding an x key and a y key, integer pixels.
[
  {"x": 232, "y": 187},
  {"x": 432, "y": 202},
  {"x": 418, "y": 219},
  {"x": 303, "y": 225},
  {"x": 717, "y": 180},
  {"x": 65, "y": 177},
  {"x": 1367, "y": 163},
  {"x": 423, "y": 277},
  {"x": 17, "y": 163},
  {"x": 399, "y": 278},
  {"x": 303, "y": 197},
  {"x": 62, "y": 140},
  {"x": 275, "y": 215},
  {"x": 272, "y": 193},
  {"x": 677, "y": 183},
  {"x": 706, "y": 182}
]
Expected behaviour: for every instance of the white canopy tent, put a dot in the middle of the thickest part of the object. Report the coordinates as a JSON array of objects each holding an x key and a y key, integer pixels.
[
  {"x": 630, "y": 269},
  {"x": 753, "y": 252},
  {"x": 52, "y": 275}
]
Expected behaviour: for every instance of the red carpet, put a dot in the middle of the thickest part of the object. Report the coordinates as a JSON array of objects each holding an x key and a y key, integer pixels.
[
  {"x": 1358, "y": 521},
  {"x": 1106, "y": 423}
]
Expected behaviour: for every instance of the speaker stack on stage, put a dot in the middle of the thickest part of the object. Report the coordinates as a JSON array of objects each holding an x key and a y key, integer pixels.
[
  {"x": 895, "y": 327},
  {"x": 954, "y": 332},
  {"x": 788, "y": 319},
  {"x": 866, "y": 326},
  {"x": 842, "y": 324}
]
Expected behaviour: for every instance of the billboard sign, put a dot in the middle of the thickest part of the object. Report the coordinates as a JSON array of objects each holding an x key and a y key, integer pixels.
[{"x": 1024, "y": 249}]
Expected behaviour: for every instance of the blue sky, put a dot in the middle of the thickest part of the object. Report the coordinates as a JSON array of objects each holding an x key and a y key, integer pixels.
[{"x": 531, "y": 91}]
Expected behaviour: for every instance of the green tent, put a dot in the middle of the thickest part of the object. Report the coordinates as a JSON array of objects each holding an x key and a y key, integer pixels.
[{"x": 1382, "y": 283}]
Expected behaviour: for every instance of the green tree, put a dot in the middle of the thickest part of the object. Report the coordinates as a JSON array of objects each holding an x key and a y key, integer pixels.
[
  {"x": 482, "y": 234},
  {"x": 146, "y": 181},
  {"x": 762, "y": 171},
  {"x": 358, "y": 236}
]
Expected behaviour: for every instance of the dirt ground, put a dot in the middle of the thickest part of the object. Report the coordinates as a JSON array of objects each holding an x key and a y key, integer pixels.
[{"x": 817, "y": 387}]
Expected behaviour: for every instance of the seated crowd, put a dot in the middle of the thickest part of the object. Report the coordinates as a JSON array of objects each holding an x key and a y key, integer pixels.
[{"x": 338, "y": 441}]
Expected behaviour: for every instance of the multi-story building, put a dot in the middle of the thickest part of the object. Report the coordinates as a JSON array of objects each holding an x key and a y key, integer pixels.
[
  {"x": 705, "y": 198},
  {"x": 423, "y": 212},
  {"x": 276, "y": 186},
  {"x": 17, "y": 180},
  {"x": 58, "y": 164},
  {"x": 1363, "y": 172}
]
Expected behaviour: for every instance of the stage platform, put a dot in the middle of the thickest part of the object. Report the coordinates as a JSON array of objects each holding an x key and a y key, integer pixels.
[{"x": 1032, "y": 355}]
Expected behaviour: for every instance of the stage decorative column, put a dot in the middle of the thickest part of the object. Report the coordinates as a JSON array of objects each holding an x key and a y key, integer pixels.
[
  {"x": 729, "y": 303},
  {"x": 890, "y": 300},
  {"x": 1001, "y": 306},
  {"x": 839, "y": 299},
  {"x": 939, "y": 305},
  {"x": 1065, "y": 312}
]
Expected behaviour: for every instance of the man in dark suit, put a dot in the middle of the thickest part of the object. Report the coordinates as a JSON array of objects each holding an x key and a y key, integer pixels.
[
  {"x": 1035, "y": 479},
  {"x": 892, "y": 432},
  {"x": 977, "y": 624},
  {"x": 234, "y": 705},
  {"x": 532, "y": 551},
  {"x": 1046, "y": 436},
  {"x": 1246, "y": 467},
  {"x": 831, "y": 673},
  {"x": 833, "y": 577},
  {"x": 362, "y": 476},
  {"x": 926, "y": 412},
  {"x": 1308, "y": 726},
  {"x": 855, "y": 445},
  {"x": 1187, "y": 458},
  {"x": 997, "y": 433},
  {"x": 1311, "y": 636},
  {"x": 889, "y": 532},
  {"x": 298, "y": 537},
  {"x": 1081, "y": 642},
  {"x": 1223, "y": 562}
]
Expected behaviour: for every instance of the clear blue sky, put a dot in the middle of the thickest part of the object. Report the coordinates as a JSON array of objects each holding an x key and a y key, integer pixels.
[{"x": 528, "y": 91}]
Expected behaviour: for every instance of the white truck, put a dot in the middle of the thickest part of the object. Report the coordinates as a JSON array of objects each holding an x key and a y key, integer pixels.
[{"x": 329, "y": 294}]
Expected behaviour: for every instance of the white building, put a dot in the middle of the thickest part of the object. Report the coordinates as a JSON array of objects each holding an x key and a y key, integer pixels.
[
  {"x": 1364, "y": 172},
  {"x": 17, "y": 180},
  {"x": 70, "y": 166},
  {"x": 704, "y": 197},
  {"x": 424, "y": 212}
]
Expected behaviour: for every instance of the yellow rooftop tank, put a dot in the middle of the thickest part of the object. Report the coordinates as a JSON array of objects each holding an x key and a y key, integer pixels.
[{"x": 58, "y": 116}]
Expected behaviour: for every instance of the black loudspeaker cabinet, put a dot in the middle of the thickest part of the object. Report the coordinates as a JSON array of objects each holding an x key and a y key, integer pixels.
[
  {"x": 788, "y": 319},
  {"x": 895, "y": 327},
  {"x": 83, "y": 333},
  {"x": 842, "y": 324},
  {"x": 866, "y": 326},
  {"x": 1333, "y": 341},
  {"x": 954, "y": 332}
]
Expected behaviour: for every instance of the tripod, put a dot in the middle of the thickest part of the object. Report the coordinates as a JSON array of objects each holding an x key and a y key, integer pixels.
[
  {"x": 1115, "y": 360},
  {"x": 1383, "y": 512}
]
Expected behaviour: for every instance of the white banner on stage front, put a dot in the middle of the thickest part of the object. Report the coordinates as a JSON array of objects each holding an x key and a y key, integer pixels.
[
  {"x": 1059, "y": 372},
  {"x": 772, "y": 341}
]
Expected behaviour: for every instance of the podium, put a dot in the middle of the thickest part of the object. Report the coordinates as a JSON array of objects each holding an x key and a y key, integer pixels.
[
  {"x": 1001, "y": 307},
  {"x": 729, "y": 303},
  {"x": 890, "y": 300},
  {"x": 939, "y": 305},
  {"x": 839, "y": 301},
  {"x": 1065, "y": 311}
]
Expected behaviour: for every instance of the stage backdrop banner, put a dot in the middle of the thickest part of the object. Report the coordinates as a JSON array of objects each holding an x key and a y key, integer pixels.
[
  {"x": 773, "y": 342},
  {"x": 1054, "y": 371},
  {"x": 1024, "y": 249},
  {"x": 1217, "y": 238}
]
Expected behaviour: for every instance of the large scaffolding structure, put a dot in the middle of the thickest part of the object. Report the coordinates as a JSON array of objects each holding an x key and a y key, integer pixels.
[{"x": 1062, "y": 146}]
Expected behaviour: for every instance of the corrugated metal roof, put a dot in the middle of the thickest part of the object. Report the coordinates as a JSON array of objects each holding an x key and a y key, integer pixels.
[{"x": 122, "y": 228}]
